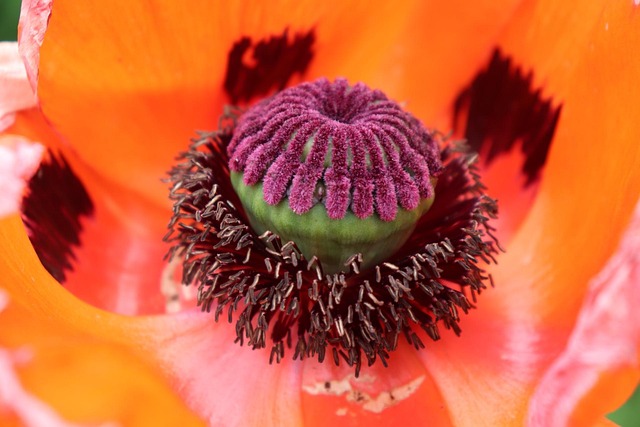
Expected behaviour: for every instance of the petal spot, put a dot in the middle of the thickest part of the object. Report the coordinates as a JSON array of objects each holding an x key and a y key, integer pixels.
[
  {"x": 272, "y": 63},
  {"x": 52, "y": 209},
  {"x": 501, "y": 109}
]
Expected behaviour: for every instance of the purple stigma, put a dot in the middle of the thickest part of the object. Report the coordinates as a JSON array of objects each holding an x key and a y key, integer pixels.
[{"x": 348, "y": 147}]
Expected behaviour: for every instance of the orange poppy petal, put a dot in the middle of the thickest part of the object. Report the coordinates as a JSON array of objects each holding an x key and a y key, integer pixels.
[
  {"x": 67, "y": 366},
  {"x": 154, "y": 76},
  {"x": 438, "y": 50},
  {"x": 129, "y": 90},
  {"x": 600, "y": 366},
  {"x": 592, "y": 178},
  {"x": 224, "y": 383},
  {"x": 589, "y": 190}
]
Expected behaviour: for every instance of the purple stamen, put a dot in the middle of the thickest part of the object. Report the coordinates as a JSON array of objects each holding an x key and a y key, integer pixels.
[
  {"x": 279, "y": 175},
  {"x": 305, "y": 180},
  {"x": 265, "y": 152},
  {"x": 362, "y": 204},
  {"x": 337, "y": 177},
  {"x": 380, "y": 157}
]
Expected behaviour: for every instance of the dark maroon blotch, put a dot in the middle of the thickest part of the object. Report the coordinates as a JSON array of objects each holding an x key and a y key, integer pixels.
[
  {"x": 275, "y": 59},
  {"x": 52, "y": 210},
  {"x": 502, "y": 107}
]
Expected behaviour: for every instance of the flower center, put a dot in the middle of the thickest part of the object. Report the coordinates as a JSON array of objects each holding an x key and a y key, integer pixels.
[
  {"x": 349, "y": 155},
  {"x": 356, "y": 170}
]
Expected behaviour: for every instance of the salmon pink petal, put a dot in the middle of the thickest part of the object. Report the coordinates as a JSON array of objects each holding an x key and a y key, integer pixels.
[
  {"x": 599, "y": 367},
  {"x": 226, "y": 384},
  {"x": 118, "y": 265},
  {"x": 15, "y": 93}
]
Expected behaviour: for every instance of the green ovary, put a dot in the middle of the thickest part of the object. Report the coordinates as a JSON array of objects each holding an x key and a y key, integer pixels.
[{"x": 332, "y": 241}]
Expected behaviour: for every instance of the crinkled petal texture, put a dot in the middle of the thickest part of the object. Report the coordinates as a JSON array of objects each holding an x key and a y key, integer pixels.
[{"x": 126, "y": 90}]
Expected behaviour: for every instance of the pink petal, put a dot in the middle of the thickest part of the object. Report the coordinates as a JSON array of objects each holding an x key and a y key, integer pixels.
[
  {"x": 605, "y": 340},
  {"x": 226, "y": 384},
  {"x": 34, "y": 18},
  {"x": 19, "y": 159},
  {"x": 15, "y": 93}
]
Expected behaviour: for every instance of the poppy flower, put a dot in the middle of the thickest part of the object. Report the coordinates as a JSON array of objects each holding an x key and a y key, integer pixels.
[{"x": 543, "y": 91}]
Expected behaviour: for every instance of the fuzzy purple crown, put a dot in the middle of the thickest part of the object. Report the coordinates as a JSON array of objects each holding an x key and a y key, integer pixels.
[{"x": 379, "y": 156}]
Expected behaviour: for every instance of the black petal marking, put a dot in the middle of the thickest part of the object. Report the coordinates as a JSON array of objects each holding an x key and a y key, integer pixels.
[
  {"x": 52, "y": 210},
  {"x": 278, "y": 299},
  {"x": 502, "y": 108},
  {"x": 275, "y": 60}
]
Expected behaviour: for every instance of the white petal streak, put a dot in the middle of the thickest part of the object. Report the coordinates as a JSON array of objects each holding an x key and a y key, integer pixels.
[
  {"x": 605, "y": 338},
  {"x": 372, "y": 403}
]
